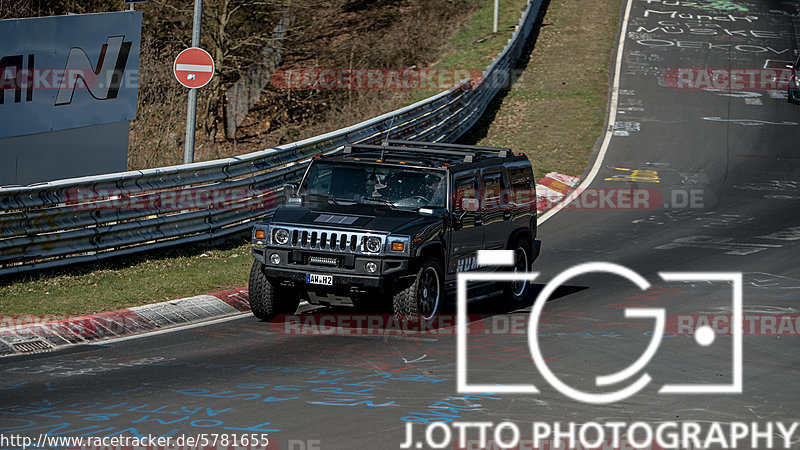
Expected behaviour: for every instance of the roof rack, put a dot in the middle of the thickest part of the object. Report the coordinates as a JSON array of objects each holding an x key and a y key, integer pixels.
[
  {"x": 498, "y": 150},
  {"x": 468, "y": 152}
]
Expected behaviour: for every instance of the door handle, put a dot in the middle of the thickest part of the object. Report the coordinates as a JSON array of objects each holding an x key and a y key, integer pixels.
[{"x": 457, "y": 221}]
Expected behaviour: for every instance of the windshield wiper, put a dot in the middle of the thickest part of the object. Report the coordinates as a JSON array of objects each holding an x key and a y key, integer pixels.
[
  {"x": 327, "y": 197},
  {"x": 379, "y": 200}
]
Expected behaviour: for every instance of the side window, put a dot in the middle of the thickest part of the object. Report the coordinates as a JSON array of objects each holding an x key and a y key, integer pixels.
[
  {"x": 493, "y": 180},
  {"x": 464, "y": 188},
  {"x": 521, "y": 177},
  {"x": 522, "y": 185},
  {"x": 494, "y": 190}
]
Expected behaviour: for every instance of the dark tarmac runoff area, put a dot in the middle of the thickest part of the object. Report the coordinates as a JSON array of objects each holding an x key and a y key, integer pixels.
[{"x": 700, "y": 135}]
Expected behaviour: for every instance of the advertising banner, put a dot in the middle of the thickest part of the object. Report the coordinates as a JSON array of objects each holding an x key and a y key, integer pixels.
[{"x": 64, "y": 72}]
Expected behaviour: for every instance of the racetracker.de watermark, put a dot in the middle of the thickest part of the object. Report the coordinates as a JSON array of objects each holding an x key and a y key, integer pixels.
[
  {"x": 486, "y": 199},
  {"x": 45, "y": 79},
  {"x": 728, "y": 79},
  {"x": 634, "y": 199},
  {"x": 19, "y": 320},
  {"x": 721, "y": 324},
  {"x": 179, "y": 199},
  {"x": 370, "y": 325},
  {"x": 349, "y": 79},
  {"x": 201, "y": 441}
]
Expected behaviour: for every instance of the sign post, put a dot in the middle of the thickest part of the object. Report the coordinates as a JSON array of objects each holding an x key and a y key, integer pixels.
[
  {"x": 192, "y": 76},
  {"x": 132, "y": 2},
  {"x": 496, "y": 7}
]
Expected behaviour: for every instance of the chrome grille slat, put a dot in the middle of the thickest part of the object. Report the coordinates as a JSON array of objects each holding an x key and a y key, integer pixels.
[{"x": 338, "y": 241}]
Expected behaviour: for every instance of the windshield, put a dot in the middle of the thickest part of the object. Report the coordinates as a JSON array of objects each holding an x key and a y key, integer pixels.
[{"x": 375, "y": 184}]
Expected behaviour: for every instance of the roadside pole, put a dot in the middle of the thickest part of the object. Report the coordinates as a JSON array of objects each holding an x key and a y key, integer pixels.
[
  {"x": 191, "y": 112},
  {"x": 496, "y": 7}
]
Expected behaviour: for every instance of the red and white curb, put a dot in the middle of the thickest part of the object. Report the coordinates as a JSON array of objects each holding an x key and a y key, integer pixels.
[
  {"x": 41, "y": 337},
  {"x": 552, "y": 188}
]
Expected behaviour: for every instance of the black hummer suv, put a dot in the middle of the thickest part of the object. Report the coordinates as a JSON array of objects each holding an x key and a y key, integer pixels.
[{"x": 393, "y": 221}]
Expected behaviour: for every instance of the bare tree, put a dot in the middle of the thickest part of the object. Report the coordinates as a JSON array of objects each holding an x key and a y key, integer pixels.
[
  {"x": 12, "y": 9},
  {"x": 236, "y": 32}
]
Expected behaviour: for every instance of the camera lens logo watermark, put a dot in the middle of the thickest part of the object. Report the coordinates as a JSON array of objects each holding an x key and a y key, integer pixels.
[{"x": 704, "y": 336}]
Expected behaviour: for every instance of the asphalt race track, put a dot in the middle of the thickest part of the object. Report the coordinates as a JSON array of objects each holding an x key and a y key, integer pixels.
[{"x": 712, "y": 181}]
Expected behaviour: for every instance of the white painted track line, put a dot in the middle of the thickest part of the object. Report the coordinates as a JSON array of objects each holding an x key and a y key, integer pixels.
[{"x": 612, "y": 119}]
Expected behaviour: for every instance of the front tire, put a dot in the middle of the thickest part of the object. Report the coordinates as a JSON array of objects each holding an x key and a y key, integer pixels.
[
  {"x": 268, "y": 300},
  {"x": 422, "y": 295}
]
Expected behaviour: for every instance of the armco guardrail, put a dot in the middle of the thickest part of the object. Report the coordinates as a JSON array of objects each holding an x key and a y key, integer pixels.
[{"x": 90, "y": 218}]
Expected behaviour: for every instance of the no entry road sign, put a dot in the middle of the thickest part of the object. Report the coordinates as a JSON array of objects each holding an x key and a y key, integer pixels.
[{"x": 193, "y": 67}]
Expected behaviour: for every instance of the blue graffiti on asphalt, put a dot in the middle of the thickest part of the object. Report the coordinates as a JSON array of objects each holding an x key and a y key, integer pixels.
[
  {"x": 95, "y": 413},
  {"x": 211, "y": 366},
  {"x": 335, "y": 386},
  {"x": 449, "y": 408},
  {"x": 400, "y": 377},
  {"x": 327, "y": 387}
]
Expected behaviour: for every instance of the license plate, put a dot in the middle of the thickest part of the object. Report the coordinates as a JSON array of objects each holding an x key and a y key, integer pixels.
[{"x": 313, "y": 278}]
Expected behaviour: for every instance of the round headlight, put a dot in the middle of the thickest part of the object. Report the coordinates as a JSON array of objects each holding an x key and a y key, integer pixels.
[
  {"x": 796, "y": 79},
  {"x": 373, "y": 245},
  {"x": 275, "y": 258},
  {"x": 281, "y": 236},
  {"x": 371, "y": 267}
]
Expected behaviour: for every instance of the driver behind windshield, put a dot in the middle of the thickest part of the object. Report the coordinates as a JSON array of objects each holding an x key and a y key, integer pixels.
[{"x": 401, "y": 185}]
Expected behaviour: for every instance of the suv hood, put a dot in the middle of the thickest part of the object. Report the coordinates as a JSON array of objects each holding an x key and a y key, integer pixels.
[{"x": 358, "y": 217}]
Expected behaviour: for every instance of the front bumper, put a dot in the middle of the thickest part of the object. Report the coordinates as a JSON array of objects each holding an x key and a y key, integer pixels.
[{"x": 350, "y": 272}]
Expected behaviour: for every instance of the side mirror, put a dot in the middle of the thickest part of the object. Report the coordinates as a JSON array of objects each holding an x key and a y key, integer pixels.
[
  {"x": 470, "y": 204},
  {"x": 289, "y": 191}
]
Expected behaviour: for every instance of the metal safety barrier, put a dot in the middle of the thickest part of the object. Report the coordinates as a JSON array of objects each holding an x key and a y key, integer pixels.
[{"x": 90, "y": 218}]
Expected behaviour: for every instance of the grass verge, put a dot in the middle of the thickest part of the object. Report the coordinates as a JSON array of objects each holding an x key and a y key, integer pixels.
[
  {"x": 474, "y": 45},
  {"x": 554, "y": 113},
  {"x": 126, "y": 282}
]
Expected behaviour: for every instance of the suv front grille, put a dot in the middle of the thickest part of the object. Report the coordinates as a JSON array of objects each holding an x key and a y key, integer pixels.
[
  {"x": 323, "y": 240},
  {"x": 328, "y": 240}
]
